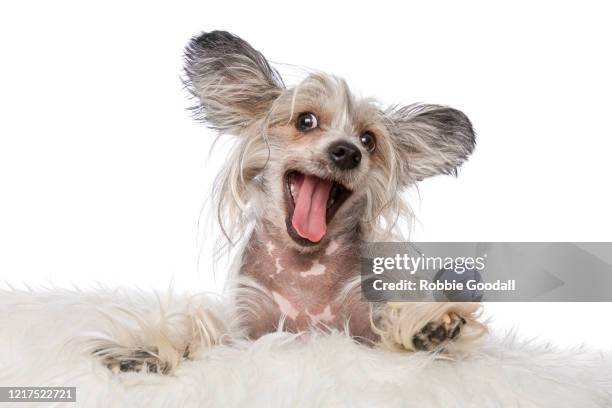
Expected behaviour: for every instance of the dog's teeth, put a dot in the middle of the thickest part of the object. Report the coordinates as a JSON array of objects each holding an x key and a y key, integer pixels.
[{"x": 330, "y": 202}]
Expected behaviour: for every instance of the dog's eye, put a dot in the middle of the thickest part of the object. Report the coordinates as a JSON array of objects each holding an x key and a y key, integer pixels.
[
  {"x": 368, "y": 140},
  {"x": 307, "y": 121}
]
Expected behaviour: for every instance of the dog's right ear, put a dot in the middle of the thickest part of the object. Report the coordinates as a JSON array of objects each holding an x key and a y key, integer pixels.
[
  {"x": 232, "y": 81},
  {"x": 430, "y": 140}
]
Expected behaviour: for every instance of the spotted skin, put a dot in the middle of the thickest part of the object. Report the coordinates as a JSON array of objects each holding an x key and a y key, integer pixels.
[{"x": 305, "y": 287}]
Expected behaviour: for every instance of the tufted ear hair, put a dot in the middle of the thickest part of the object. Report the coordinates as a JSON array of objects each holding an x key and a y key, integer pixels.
[
  {"x": 233, "y": 82},
  {"x": 430, "y": 140}
]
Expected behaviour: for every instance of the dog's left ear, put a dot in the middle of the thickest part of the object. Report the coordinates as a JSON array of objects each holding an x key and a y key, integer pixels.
[
  {"x": 233, "y": 82},
  {"x": 430, "y": 140}
]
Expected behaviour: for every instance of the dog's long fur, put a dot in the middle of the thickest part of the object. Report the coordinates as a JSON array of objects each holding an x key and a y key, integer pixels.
[{"x": 286, "y": 280}]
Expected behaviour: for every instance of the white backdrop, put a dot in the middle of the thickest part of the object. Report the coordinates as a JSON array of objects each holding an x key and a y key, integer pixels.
[{"x": 103, "y": 173}]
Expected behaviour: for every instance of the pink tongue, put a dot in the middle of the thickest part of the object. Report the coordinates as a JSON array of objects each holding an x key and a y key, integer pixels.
[{"x": 311, "y": 208}]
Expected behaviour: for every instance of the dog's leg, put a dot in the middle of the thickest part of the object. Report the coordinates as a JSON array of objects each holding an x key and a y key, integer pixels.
[
  {"x": 448, "y": 327},
  {"x": 155, "y": 342}
]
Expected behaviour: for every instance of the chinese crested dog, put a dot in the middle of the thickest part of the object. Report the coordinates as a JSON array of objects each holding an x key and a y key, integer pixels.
[{"x": 315, "y": 173}]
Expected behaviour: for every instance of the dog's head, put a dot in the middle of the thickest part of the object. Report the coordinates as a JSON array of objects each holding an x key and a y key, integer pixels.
[{"x": 314, "y": 161}]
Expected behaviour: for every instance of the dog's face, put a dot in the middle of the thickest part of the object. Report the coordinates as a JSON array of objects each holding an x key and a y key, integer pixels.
[{"x": 316, "y": 161}]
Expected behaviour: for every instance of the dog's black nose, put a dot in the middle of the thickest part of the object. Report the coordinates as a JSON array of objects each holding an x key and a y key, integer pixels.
[{"x": 344, "y": 155}]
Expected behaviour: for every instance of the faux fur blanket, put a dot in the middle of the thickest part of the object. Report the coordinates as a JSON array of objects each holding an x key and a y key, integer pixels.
[{"x": 39, "y": 346}]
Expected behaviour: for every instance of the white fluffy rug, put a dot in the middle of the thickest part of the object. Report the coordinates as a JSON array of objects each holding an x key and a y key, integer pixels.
[{"x": 37, "y": 348}]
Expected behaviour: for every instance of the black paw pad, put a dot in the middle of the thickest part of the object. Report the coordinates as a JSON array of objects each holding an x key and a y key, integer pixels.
[{"x": 437, "y": 333}]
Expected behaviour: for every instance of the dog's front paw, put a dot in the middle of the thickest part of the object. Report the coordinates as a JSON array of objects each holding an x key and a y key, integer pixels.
[
  {"x": 438, "y": 333},
  {"x": 450, "y": 327},
  {"x": 142, "y": 360}
]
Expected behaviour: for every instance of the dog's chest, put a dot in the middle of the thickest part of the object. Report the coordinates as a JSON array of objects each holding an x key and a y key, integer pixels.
[{"x": 306, "y": 288}]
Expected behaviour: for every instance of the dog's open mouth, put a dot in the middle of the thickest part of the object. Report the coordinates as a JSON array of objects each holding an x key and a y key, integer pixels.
[{"x": 312, "y": 202}]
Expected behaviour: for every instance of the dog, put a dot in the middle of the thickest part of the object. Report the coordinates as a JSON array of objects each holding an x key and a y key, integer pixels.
[{"x": 315, "y": 173}]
